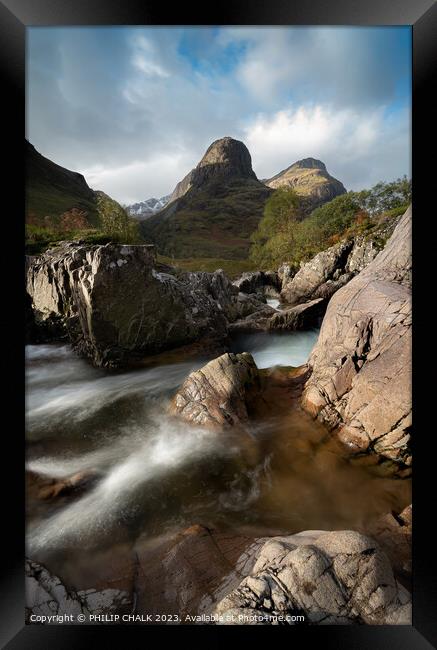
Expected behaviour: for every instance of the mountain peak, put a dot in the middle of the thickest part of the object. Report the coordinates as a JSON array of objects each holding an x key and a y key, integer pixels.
[
  {"x": 309, "y": 163},
  {"x": 310, "y": 180},
  {"x": 225, "y": 157}
]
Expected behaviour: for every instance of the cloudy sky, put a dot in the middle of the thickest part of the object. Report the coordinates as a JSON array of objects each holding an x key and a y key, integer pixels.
[{"x": 135, "y": 108}]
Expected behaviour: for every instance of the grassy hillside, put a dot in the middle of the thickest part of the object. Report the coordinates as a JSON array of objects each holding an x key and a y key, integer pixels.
[
  {"x": 52, "y": 190},
  {"x": 215, "y": 221},
  {"x": 232, "y": 268}
]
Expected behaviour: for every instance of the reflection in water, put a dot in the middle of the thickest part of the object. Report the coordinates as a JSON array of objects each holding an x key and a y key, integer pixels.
[{"x": 155, "y": 474}]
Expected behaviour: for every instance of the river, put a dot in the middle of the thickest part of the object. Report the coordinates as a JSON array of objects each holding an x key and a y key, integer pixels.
[{"x": 153, "y": 474}]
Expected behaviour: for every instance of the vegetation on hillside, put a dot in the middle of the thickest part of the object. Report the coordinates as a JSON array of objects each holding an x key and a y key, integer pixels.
[
  {"x": 52, "y": 190},
  {"x": 213, "y": 222},
  {"x": 232, "y": 268},
  {"x": 113, "y": 224},
  {"x": 283, "y": 235}
]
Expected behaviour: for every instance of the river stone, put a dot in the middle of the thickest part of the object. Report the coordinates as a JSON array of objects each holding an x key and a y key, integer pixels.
[
  {"x": 255, "y": 321},
  {"x": 216, "y": 395},
  {"x": 361, "y": 365},
  {"x": 304, "y": 316},
  {"x": 339, "y": 577}
]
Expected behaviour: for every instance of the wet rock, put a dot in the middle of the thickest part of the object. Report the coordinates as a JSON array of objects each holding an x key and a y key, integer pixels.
[
  {"x": 45, "y": 487},
  {"x": 46, "y": 595},
  {"x": 256, "y": 321},
  {"x": 361, "y": 365},
  {"x": 339, "y": 577},
  {"x": 304, "y": 316},
  {"x": 217, "y": 394}
]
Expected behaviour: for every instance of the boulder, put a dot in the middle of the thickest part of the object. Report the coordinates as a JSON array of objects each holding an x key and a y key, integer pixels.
[
  {"x": 325, "y": 266},
  {"x": 254, "y": 321},
  {"x": 304, "y": 316},
  {"x": 117, "y": 304},
  {"x": 339, "y": 577},
  {"x": 257, "y": 281},
  {"x": 217, "y": 394},
  {"x": 361, "y": 365},
  {"x": 329, "y": 270}
]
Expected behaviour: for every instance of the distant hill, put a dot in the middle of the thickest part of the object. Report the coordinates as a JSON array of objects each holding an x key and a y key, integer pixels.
[
  {"x": 52, "y": 190},
  {"x": 214, "y": 209},
  {"x": 311, "y": 181},
  {"x": 145, "y": 209}
]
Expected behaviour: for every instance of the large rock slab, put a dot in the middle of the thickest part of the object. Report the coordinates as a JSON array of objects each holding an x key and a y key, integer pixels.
[
  {"x": 329, "y": 270},
  {"x": 327, "y": 265},
  {"x": 48, "y": 598},
  {"x": 117, "y": 304},
  {"x": 361, "y": 365},
  {"x": 304, "y": 316},
  {"x": 217, "y": 394},
  {"x": 339, "y": 577},
  {"x": 393, "y": 532}
]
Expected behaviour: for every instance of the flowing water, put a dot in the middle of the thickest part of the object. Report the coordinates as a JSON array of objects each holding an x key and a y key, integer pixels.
[
  {"x": 273, "y": 302},
  {"x": 153, "y": 475}
]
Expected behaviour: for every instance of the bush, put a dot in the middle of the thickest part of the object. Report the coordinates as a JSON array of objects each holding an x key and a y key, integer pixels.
[
  {"x": 283, "y": 236},
  {"x": 115, "y": 221},
  {"x": 275, "y": 233}
]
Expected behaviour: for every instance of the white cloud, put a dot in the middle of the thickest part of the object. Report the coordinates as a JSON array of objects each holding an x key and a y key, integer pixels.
[
  {"x": 140, "y": 180},
  {"x": 134, "y": 109},
  {"x": 359, "y": 148}
]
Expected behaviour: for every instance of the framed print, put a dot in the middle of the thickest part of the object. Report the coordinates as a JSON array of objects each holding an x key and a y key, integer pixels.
[{"x": 221, "y": 363}]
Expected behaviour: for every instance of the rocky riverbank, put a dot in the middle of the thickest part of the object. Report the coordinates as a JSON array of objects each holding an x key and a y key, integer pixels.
[{"x": 118, "y": 307}]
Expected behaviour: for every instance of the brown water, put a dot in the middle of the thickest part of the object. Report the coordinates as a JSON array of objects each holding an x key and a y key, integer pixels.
[{"x": 155, "y": 475}]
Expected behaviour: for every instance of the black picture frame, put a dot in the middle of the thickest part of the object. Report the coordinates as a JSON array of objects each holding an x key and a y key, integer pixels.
[{"x": 15, "y": 16}]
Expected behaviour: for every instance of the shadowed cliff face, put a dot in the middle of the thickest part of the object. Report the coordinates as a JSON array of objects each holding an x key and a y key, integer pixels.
[
  {"x": 52, "y": 189},
  {"x": 224, "y": 158}
]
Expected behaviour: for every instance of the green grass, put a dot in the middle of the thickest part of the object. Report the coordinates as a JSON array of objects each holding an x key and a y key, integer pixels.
[
  {"x": 39, "y": 239},
  {"x": 232, "y": 268}
]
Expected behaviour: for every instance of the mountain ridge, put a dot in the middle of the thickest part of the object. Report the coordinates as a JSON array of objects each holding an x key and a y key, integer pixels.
[{"x": 311, "y": 181}]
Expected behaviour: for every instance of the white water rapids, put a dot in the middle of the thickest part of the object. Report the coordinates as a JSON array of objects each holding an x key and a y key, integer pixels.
[
  {"x": 152, "y": 474},
  {"x": 114, "y": 425}
]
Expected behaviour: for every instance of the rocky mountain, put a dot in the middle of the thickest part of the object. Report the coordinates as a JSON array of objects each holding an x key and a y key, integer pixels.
[
  {"x": 52, "y": 190},
  {"x": 214, "y": 209},
  {"x": 145, "y": 209},
  {"x": 311, "y": 181}
]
